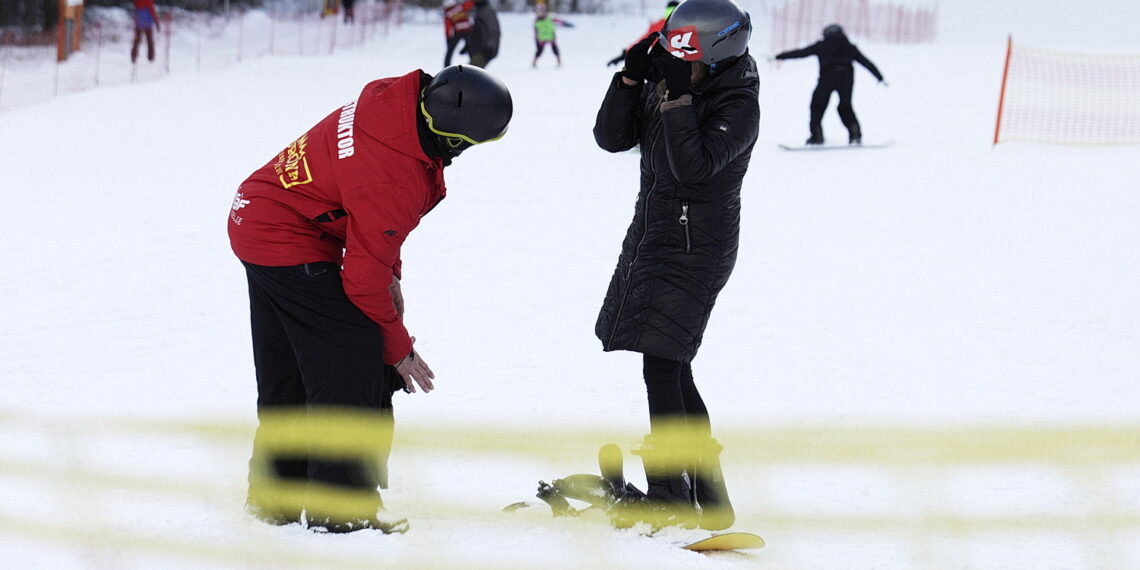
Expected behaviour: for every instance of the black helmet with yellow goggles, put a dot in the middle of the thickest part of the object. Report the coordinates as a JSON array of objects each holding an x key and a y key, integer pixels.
[{"x": 464, "y": 105}]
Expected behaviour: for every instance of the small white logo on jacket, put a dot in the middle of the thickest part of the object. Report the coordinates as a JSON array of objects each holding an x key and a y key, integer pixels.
[{"x": 239, "y": 203}]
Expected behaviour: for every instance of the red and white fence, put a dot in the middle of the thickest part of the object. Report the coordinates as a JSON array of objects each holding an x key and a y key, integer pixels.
[
  {"x": 1068, "y": 98},
  {"x": 797, "y": 23},
  {"x": 187, "y": 41}
]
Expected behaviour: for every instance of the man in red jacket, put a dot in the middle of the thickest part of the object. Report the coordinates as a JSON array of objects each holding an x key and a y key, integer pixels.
[
  {"x": 319, "y": 229},
  {"x": 456, "y": 26}
]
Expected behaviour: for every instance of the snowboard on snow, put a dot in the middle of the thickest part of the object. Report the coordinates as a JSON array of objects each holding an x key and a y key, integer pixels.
[
  {"x": 726, "y": 541},
  {"x": 601, "y": 492},
  {"x": 825, "y": 146}
]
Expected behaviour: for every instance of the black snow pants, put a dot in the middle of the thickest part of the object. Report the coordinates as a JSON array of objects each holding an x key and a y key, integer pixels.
[
  {"x": 315, "y": 350},
  {"x": 842, "y": 81},
  {"x": 452, "y": 42}
]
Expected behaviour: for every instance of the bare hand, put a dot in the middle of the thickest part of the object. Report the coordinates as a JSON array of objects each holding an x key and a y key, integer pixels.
[{"x": 414, "y": 371}]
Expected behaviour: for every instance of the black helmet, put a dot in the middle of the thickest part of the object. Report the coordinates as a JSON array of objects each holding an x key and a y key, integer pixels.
[
  {"x": 833, "y": 30},
  {"x": 464, "y": 102},
  {"x": 709, "y": 31}
]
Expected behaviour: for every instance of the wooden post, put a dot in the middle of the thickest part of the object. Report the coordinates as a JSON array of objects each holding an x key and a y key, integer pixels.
[
  {"x": 70, "y": 32},
  {"x": 1004, "y": 78},
  {"x": 3, "y": 61},
  {"x": 167, "y": 18}
]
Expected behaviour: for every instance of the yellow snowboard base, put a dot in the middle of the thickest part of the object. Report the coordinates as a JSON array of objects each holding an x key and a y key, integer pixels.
[{"x": 727, "y": 541}]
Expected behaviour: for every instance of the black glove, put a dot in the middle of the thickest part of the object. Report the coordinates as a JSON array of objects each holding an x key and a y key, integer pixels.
[
  {"x": 637, "y": 60},
  {"x": 616, "y": 60},
  {"x": 676, "y": 72}
]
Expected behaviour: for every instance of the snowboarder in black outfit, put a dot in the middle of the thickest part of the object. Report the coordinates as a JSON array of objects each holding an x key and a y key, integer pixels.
[
  {"x": 836, "y": 73},
  {"x": 696, "y": 121}
]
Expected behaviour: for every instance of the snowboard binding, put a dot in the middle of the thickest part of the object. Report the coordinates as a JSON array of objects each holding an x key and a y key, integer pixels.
[{"x": 699, "y": 499}]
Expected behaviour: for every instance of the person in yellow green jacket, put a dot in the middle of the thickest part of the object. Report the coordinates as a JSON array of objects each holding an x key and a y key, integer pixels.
[{"x": 544, "y": 26}]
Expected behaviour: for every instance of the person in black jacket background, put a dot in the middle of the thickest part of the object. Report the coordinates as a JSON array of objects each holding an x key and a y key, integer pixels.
[
  {"x": 483, "y": 41},
  {"x": 836, "y": 73},
  {"x": 689, "y": 98}
]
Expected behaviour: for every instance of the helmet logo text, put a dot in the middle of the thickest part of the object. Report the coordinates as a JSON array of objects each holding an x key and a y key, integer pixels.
[
  {"x": 685, "y": 43},
  {"x": 731, "y": 28}
]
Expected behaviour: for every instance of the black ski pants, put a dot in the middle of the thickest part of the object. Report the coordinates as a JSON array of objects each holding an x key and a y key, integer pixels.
[
  {"x": 452, "y": 42},
  {"x": 842, "y": 81},
  {"x": 673, "y": 395},
  {"x": 314, "y": 349}
]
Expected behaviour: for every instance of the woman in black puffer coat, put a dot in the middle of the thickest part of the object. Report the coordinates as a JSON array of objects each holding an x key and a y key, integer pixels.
[
  {"x": 696, "y": 121},
  {"x": 681, "y": 246}
]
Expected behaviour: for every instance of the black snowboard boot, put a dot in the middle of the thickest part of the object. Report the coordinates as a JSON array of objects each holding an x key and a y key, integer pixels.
[
  {"x": 668, "y": 499},
  {"x": 709, "y": 489}
]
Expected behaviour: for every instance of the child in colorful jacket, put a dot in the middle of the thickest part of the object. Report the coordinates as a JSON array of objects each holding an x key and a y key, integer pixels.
[{"x": 544, "y": 26}]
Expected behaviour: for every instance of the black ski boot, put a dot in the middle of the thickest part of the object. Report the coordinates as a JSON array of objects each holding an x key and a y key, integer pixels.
[{"x": 365, "y": 511}]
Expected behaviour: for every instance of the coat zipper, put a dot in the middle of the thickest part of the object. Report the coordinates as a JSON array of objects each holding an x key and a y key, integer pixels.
[
  {"x": 684, "y": 220},
  {"x": 637, "y": 250}
]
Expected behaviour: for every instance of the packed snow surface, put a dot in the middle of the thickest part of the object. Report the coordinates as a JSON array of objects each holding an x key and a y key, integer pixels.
[{"x": 942, "y": 286}]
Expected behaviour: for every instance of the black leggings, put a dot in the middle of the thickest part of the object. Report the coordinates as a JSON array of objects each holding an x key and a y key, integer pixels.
[
  {"x": 539, "y": 47},
  {"x": 673, "y": 395}
]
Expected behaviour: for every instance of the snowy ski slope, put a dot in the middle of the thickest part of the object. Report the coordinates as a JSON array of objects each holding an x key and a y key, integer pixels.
[{"x": 926, "y": 358}]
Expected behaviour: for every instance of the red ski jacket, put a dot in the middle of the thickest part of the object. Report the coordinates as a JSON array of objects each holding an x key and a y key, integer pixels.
[
  {"x": 457, "y": 18},
  {"x": 349, "y": 191}
]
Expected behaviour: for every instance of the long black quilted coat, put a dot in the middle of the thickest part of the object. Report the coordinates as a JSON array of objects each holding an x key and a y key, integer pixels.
[{"x": 681, "y": 246}]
